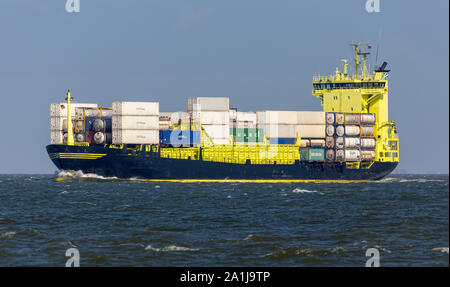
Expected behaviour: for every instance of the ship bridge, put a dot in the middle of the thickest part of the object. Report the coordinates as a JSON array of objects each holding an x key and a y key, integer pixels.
[{"x": 361, "y": 92}]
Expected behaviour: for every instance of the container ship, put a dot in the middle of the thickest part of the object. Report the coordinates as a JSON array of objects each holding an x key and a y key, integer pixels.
[{"x": 350, "y": 139}]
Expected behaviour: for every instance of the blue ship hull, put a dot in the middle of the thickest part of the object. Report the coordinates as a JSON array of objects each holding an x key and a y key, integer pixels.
[{"x": 123, "y": 163}]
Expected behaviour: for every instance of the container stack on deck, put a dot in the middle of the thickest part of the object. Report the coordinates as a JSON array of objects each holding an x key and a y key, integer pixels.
[
  {"x": 93, "y": 125},
  {"x": 284, "y": 127},
  {"x": 319, "y": 136},
  {"x": 135, "y": 123},
  {"x": 214, "y": 116},
  {"x": 58, "y": 120},
  {"x": 350, "y": 137},
  {"x": 165, "y": 121},
  {"x": 183, "y": 130},
  {"x": 243, "y": 128}
]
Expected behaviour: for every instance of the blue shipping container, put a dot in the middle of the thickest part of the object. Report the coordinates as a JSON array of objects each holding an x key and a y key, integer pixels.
[
  {"x": 282, "y": 140},
  {"x": 179, "y": 137}
]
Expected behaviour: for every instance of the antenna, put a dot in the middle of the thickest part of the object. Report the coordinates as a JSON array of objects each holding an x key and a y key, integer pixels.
[
  {"x": 364, "y": 69},
  {"x": 378, "y": 45},
  {"x": 357, "y": 54}
]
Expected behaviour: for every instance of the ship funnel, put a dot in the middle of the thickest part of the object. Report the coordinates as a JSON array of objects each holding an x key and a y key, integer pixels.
[{"x": 382, "y": 68}]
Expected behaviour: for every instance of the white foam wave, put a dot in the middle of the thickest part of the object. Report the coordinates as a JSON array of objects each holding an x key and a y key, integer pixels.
[
  {"x": 80, "y": 174},
  {"x": 441, "y": 249},
  {"x": 169, "y": 248},
  {"x": 382, "y": 249},
  {"x": 298, "y": 190},
  {"x": 404, "y": 180},
  {"x": 8, "y": 234}
]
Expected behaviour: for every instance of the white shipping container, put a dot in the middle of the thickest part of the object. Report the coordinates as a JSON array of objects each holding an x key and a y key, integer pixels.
[
  {"x": 208, "y": 104},
  {"x": 57, "y": 123},
  {"x": 233, "y": 114},
  {"x": 136, "y": 108},
  {"x": 246, "y": 117},
  {"x": 178, "y": 117},
  {"x": 244, "y": 125},
  {"x": 60, "y": 109},
  {"x": 293, "y": 131},
  {"x": 291, "y": 117},
  {"x": 311, "y": 131},
  {"x": 310, "y": 118},
  {"x": 135, "y": 122},
  {"x": 220, "y": 141},
  {"x": 214, "y": 118},
  {"x": 56, "y": 137},
  {"x": 280, "y": 131},
  {"x": 217, "y": 131},
  {"x": 135, "y": 136}
]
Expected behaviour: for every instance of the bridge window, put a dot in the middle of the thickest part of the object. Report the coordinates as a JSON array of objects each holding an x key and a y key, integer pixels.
[{"x": 363, "y": 85}]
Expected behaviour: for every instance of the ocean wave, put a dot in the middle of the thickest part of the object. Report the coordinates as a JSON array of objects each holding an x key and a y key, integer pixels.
[
  {"x": 260, "y": 238},
  {"x": 441, "y": 249},
  {"x": 298, "y": 190},
  {"x": 169, "y": 248},
  {"x": 290, "y": 252},
  {"x": 7, "y": 234},
  {"x": 404, "y": 180},
  {"x": 78, "y": 174}
]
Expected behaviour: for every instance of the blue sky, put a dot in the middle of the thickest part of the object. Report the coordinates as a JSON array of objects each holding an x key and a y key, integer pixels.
[{"x": 260, "y": 53}]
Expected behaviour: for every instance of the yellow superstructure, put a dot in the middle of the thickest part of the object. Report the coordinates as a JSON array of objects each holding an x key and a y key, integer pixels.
[{"x": 361, "y": 92}]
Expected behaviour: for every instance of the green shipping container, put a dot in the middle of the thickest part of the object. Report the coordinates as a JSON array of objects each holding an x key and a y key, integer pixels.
[
  {"x": 312, "y": 154},
  {"x": 243, "y": 135}
]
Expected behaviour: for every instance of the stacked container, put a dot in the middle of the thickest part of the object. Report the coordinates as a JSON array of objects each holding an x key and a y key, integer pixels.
[
  {"x": 284, "y": 127},
  {"x": 350, "y": 137},
  {"x": 368, "y": 139},
  {"x": 165, "y": 121},
  {"x": 93, "y": 125},
  {"x": 135, "y": 123},
  {"x": 179, "y": 138},
  {"x": 244, "y": 128},
  {"x": 214, "y": 116},
  {"x": 58, "y": 121}
]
